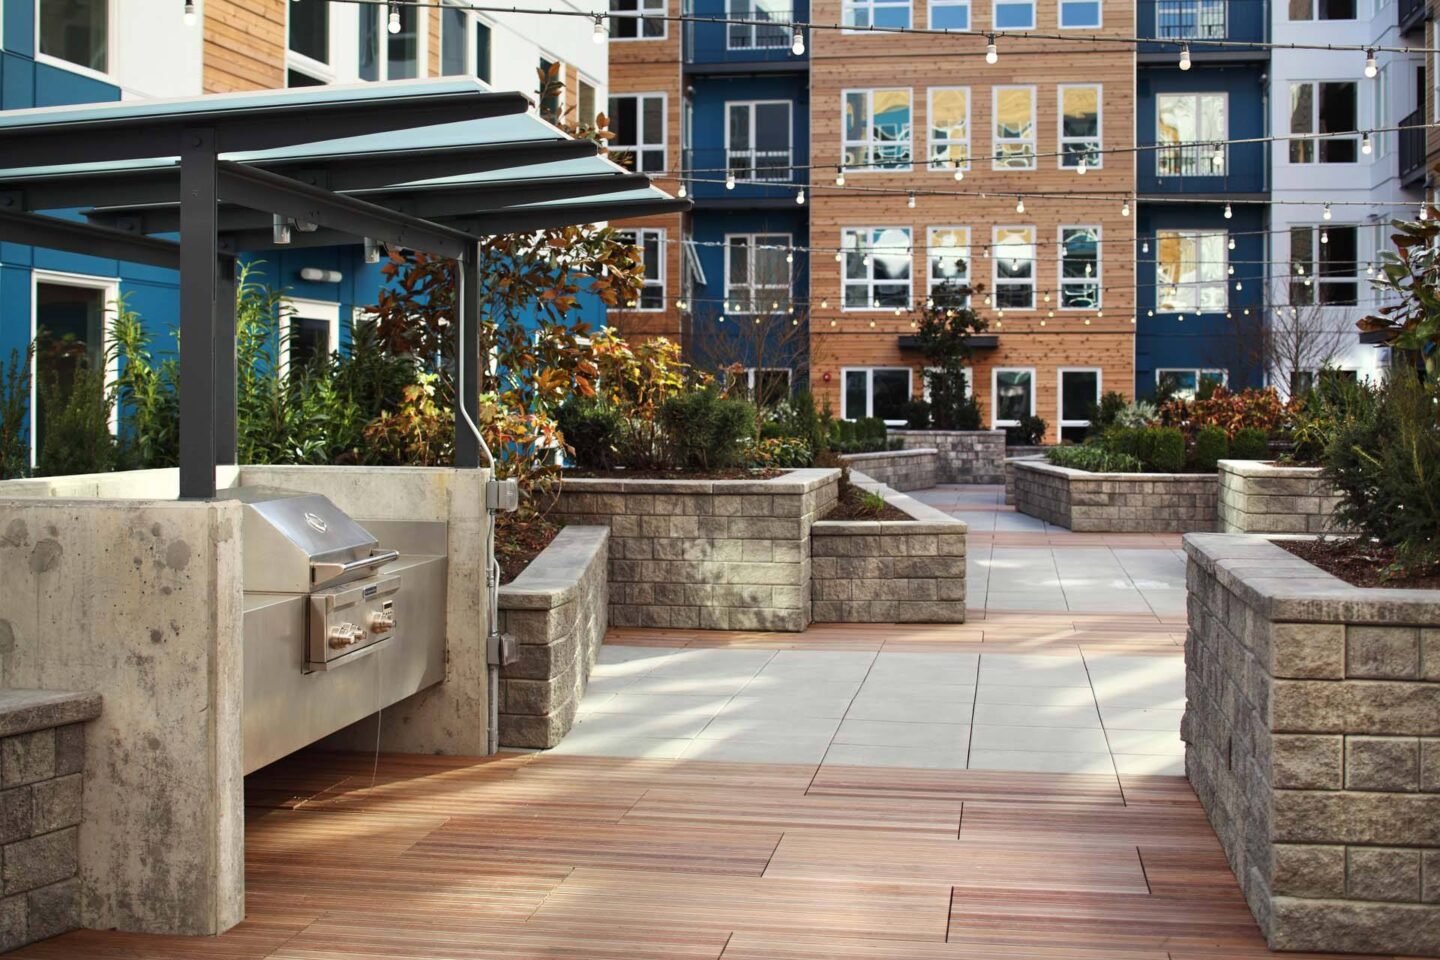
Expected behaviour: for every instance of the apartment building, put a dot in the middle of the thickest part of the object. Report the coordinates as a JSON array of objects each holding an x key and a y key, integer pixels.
[{"x": 78, "y": 51}]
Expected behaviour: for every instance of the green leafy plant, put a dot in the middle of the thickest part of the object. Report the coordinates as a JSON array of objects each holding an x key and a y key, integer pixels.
[
  {"x": 943, "y": 327},
  {"x": 147, "y": 392},
  {"x": 917, "y": 415},
  {"x": 1250, "y": 443},
  {"x": 14, "y": 410},
  {"x": 1141, "y": 413},
  {"x": 1107, "y": 411},
  {"x": 1159, "y": 449},
  {"x": 592, "y": 428},
  {"x": 1211, "y": 446},
  {"x": 705, "y": 429},
  {"x": 76, "y": 437},
  {"x": 1334, "y": 404},
  {"x": 781, "y": 452},
  {"x": 1412, "y": 273},
  {"x": 873, "y": 501},
  {"x": 865, "y": 435},
  {"x": 1094, "y": 458},
  {"x": 1028, "y": 431},
  {"x": 797, "y": 417},
  {"x": 420, "y": 432}
]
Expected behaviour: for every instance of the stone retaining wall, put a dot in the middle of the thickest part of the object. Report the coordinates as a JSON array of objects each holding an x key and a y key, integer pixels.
[
  {"x": 556, "y": 608},
  {"x": 1261, "y": 497},
  {"x": 1313, "y": 741},
  {"x": 965, "y": 456},
  {"x": 708, "y": 554},
  {"x": 1116, "y": 502},
  {"x": 1010, "y": 462},
  {"x": 42, "y": 763},
  {"x": 911, "y": 469},
  {"x": 898, "y": 571}
]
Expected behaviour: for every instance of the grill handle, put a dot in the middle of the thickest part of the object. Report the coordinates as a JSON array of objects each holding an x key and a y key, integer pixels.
[{"x": 325, "y": 572}]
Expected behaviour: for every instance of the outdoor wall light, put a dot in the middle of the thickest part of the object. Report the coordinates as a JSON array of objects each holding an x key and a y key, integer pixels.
[
  {"x": 317, "y": 275},
  {"x": 280, "y": 227}
]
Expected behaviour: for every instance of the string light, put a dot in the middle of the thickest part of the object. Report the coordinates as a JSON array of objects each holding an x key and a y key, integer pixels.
[
  {"x": 1228, "y": 212},
  {"x": 1125, "y": 209},
  {"x": 1184, "y": 56},
  {"x": 839, "y": 176},
  {"x": 394, "y": 24},
  {"x": 599, "y": 34},
  {"x": 910, "y": 201},
  {"x": 1019, "y": 204},
  {"x": 1424, "y": 211},
  {"x": 1325, "y": 214},
  {"x": 730, "y": 181},
  {"x": 1371, "y": 68},
  {"x": 800, "y": 196},
  {"x": 189, "y": 13},
  {"x": 1230, "y": 244},
  {"x": 959, "y": 173},
  {"x": 1324, "y": 236},
  {"x": 1080, "y": 167},
  {"x": 1365, "y": 143},
  {"x": 681, "y": 191},
  {"x": 790, "y": 257},
  {"x": 991, "y": 54},
  {"x": 797, "y": 42}
]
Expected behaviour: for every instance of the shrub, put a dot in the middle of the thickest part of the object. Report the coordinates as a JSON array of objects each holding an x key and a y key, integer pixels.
[
  {"x": 76, "y": 436},
  {"x": 14, "y": 406},
  {"x": 1211, "y": 446},
  {"x": 1250, "y": 443},
  {"x": 798, "y": 418},
  {"x": 1141, "y": 413},
  {"x": 866, "y": 435},
  {"x": 1159, "y": 449},
  {"x": 917, "y": 415},
  {"x": 704, "y": 430},
  {"x": 778, "y": 452},
  {"x": 591, "y": 428},
  {"x": 1229, "y": 411},
  {"x": 1027, "y": 432},
  {"x": 420, "y": 432},
  {"x": 1094, "y": 458},
  {"x": 1332, "y": 406},
  {"x": 1110, "y": 407}
]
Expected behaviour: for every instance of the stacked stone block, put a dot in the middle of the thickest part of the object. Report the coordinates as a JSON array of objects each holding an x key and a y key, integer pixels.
[
  {"x": 1258, "y": 497},
  {"x": 965, "y": 456},
  {"x": 1313, "y": 741},
  {"x": 1010, "y": 463},
  {"x": 556, "y": 609},
  {"x": 42, "y": 762},
  {"x": 706, "y": 554},
  {"x": 1116, "y": 502},
  {"x": 911, "y": 469}
]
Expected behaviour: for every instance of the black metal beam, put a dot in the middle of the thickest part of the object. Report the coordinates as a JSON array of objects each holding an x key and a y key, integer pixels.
[
  {"x": 199, "y": 256},
  {"x": 467, "y": 358},
  {"x": 430, "y": 202},
  {"x": 66, "y": 191},
  {"x": 226, "y": 425},
  {"x": 52, "y": 233},
  {"x": 54, "y": 141},
  {"x": 520, "y": 220},
  {"x": 371, "y": 171},
  {"x": 255, "y": 240}
]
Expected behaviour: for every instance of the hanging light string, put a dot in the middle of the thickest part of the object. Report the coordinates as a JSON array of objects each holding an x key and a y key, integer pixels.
[{"x": 991, "y": 38}]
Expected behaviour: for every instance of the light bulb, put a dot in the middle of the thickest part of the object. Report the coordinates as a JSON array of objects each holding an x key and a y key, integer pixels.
[
  {"x": 681, "y": 192},
  {"x": 1228, "y": 212},
  {"x": 789, "y": 257},
  {"x": 1237, "y": 284},
  {"x": 1370, "y": 270},
  {"x": 839, "y": 256},
  {"x": 189, "y": 13},
  {"x": 910, "y": 201},
  {"x": 800, "y": 196},
  {"x": 1424, "y": 213},
  {"x": 824, "y": 304},
  {"x": 598, "y": 35},
  {"x": 1019, "y": 204},
  {"x": 729, "y": 181},
  {"x": 959, "y": 174},
  {"x": 1324, "y": 236},
  {"x": 1370, "y": 66},
  {"x": 1230, "y": 269},
  {"x": 1217, "y": 159},
  {"x": 1145, "y": 246},
  {"x": 1184, "y": 56},
  {"x": 680, "y": 304},
  {"x": 839, "y": 177},
  {"x": 394, "y": 25},
  {"x": 1125, "y": 209},
  {"x": 1230, "y": 244},
  {"x": 1365, "y": 143},
  {"x": 1080, "y": 167},
  {"x": 797, "y": 42},
  {"x": 1325, "y": 215},
  {"x": 991, "y": 54}
]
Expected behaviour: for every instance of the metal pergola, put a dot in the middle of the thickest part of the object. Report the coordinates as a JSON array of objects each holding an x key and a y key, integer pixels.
[{"x": 429, "y": 165}]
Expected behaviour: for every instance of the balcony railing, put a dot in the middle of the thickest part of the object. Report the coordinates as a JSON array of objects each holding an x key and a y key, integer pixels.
[
  {"x": 1192, "y": 160},
  {"x": 1412, "y": 144},
  {"x": 1190, "y": 19},
  {"x": 1410, "y": 14},
  {"x": 759, "y": 166}
]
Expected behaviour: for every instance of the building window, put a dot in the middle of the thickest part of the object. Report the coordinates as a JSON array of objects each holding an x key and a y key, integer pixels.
[
  {"x": 880, "y": 392},
  {"x": 767, "y": 386},
  {"x": 1079, "y": 14},
  {"x": 877, "y": 129},
  {"x": 1080, "y": 126},
  {"x": 1012, "y": 395},
  {"x": 71, "y": 318},
  {"x": 1186, "y": 383},
  {"x": 631, "y": 27},
  {"x": 1322, "y": 9},
  {"x": 386, "y": 55},
  {"x": 464, "y": 45},
  {"x": 1013, "y": 255},
  {"x": 1190, "y": 271},
  {"x": 1324, "y": 107},
  {"x": 1014, "y": 128},
  {"x": 1079, "y": 268},
  {"x": 770, "y": 35},
  {"x": 1188, "y": 126},
  {"x": 864, "y": 14},
  {"x": 650, "y": 244},
  {"x": 585, "y": 103},
  {"x": 949, "y": 14},
  {"x": 1079, "y": 397},
  {"x": 949, "y": 114},
  {"x": 1190, "y": 20},
  {"x": 638, "y": 122},
  {"x": 947, "y": 254},
  {"x": 757, "y": 278},
  {"x": 1324, "y": 265},
  {"x": 757, "y": 140},
  {"x": 76, "y": 31},
  {"x": 1303, "y": 381},
  {"x": 1014, "y": 14},
  {"x": 877, "y": 267},
  {"x": 309, "y": 331},
  {"x": 309, "y": 39}
]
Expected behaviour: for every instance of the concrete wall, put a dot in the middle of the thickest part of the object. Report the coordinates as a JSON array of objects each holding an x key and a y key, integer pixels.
[
  {"x": 1313, "y": 742},
  {"x": 911, "y": 469},
  {"x": 966, "y": 456},
  {"x": 712, "y": 554},
  {"x": 1260, "y": 497},
  {"x": 556, "y": 608},
  {"x": 895, "y": 571},
  {"x": 1116, "y": 502}
]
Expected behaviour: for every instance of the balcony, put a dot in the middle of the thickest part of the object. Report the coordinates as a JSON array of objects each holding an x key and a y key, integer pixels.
[
  {"x": 759, "y": 166},
  {"x": 1164, "y": 22},
  {"x": 1412, "y": 147},
  {"x": 762, "y": 46},
  {"x": 763, "y": 178},
  {"x": 1411, "y": 15},
  {"x": 1190, "y": 19},
  {"x": 1192, "y": 160}
]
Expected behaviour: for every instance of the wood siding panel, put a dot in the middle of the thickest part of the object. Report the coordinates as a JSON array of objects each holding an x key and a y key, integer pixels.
[{"x": 244, "y": 45}]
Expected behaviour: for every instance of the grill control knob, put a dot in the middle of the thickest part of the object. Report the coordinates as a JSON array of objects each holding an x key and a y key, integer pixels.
[
  {"x": 344, "y": 634},
  {"x": 382, "y": 622}
]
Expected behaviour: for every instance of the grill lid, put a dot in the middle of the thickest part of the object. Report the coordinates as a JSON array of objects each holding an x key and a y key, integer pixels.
[{"x": 295, "y": 542}]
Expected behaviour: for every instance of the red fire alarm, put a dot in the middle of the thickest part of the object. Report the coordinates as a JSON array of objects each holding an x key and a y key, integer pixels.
[{"x": 826, "y": 376}]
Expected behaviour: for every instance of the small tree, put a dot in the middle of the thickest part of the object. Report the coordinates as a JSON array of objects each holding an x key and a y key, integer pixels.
[
  {"x": 1299, "y": 336},
  {"x": 944, "y": 325},
  {"x": 775, "y": 336},
  {"x": 14, "y": 406}
]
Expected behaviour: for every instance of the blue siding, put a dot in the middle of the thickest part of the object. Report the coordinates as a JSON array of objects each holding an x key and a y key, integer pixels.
[
  {"x": 1237, "y": 20},
  {"x": 707, "y": 154},
  {"x": 707, "y": 43},
  {"x": 1244, "y": 86}
]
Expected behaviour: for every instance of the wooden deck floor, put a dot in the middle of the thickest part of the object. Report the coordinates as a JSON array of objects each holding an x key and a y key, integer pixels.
[{"x": 584, "y": 858}]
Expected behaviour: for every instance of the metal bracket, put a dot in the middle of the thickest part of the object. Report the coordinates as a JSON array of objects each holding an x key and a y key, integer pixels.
[
  {"x": 502, "y": 495},
  {"x": 501, "y": 649}
]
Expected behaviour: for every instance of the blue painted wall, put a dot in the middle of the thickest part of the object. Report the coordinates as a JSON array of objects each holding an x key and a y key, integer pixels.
[
  {"x": 1245, "y": 89},
  {"x": 707, "y": 135},
  {"x": 707, "y": 42},
  {"x": 1241, "y": 19}
]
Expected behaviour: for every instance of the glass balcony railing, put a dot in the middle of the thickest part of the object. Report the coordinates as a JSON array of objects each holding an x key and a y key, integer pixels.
[
  {"x": 759, "y": 166},
  {"x": 1190, "y": 19},
  {"x": 1192, "y": 160}
]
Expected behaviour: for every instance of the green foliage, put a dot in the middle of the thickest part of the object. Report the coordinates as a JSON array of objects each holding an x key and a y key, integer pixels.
[
  {"x": 1028, "y": 431},
  {"x": 76, "y": 437},
  {"x": 944, "y": 331},
  {"x": 917, "y": 415},
  {"x": 14, "y": 406},
  {"x": 420, "y": 432},
  {"x": 1412, "y": 275},
  {"x": 1141, "y": 413},
  {"x": 1211, "y": 446},
  {"x": 1386, "y": 466},
  {"x": 797, "y": 417},
  {"x": 1112, "y": 403},
  {"x": 782, "y": 451},
  {"x": 873, "y": 502},
  {"x": 593, "y": 429},
  {"x": 1159, "y": 449},
  {"x": 865, "y": 435},
  {"x": 1333, "y": 405},
  {"x": 1094, "y": 458},
  {"x": 705, "y": 429},
  {"x": 147, "y": 392},
  {"x": 1250, "y": 443}
]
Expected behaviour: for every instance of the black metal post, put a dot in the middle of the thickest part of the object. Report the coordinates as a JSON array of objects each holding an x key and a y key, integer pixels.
[
  {"x": 226, "y": 432},
  {"x": 467, "y": 355},
  {"x": 199, "y": 258}
]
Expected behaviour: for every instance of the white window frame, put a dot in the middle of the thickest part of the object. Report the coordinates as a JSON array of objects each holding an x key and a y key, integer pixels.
[
  {"x": 309, "y": 66},
  {"x": 1317, "y": 259},
  {"x": 925, "y": 383},
  {"x": 930, "y": 246},
  {"x": 995, "y": 421},
  {"x": 112, "y": 50},
  {"x": 1199, "y": 372},
  {"x": 845, "y": 413},
  {"x": 1060, "y": 393},
  {"x": 1223, "y": 282},
  {"x": 382, "y": 65},
  {"x": 644, "y": 7},
  {"x": 869, "y": 280},
  {"x": 472, "y": 53},
  {"x": 1314, "y": 13},
  {"x": 306, "y": 309},
  {"x": 615, "y": 146},
  {"x": 969, "y": 15},
  {"x": 1205, "y": 144},
  {"x": 639, "y": 234},
  {"x": 752, "y": 292},
  {"x": 934, "y": 141},
  {"x": 111, "y": 288},
  {"x": 1060, "y": 280},
  {"x": 1099, "y": 16},
  {"x": 869, "y": 144},
  {"x": 995, "y": 259},
  {"x": 1314, "y": 137},
  {"x": 750, "y": 377},
  {"x": 994, "y": 18},
  {"x": 1095, "y": 160},
  {"x": 751, "y": 105},
  {"x": 996, "y": 160},
  {"x": 849, "y": 7}
]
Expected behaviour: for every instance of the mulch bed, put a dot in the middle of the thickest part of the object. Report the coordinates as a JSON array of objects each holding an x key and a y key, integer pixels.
[
  {"x": 517, "y": 542},
  {"x": 851, "y": 505},
  {"x": 733, "y": 473},
  {"x": 1361, "y": 564}
]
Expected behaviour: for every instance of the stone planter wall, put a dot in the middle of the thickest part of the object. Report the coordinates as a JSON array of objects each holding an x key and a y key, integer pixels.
[
  {"x": 1010, "y": 462},
  {"x": 556, "y": 608},
  {"x": 890, "y": 571},
  {"x": 1313, "y": 741},
  {"x": 965, "y": 456},
  {"x": 1261, "y": 497},
  {"x": 911, "y": 469},
  {"x": 42, "y": 743},
  {"x": 1116, "y": 502},
  {"x": 708, "y": 554}
]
